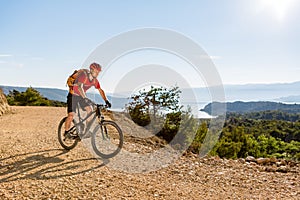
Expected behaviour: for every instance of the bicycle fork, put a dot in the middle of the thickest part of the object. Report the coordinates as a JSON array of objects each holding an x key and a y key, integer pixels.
[{"x": 104, "y": 132}]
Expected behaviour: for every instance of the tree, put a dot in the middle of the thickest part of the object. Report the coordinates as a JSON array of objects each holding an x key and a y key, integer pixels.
[
  {"x": 197, "y": 141},
  {"x": 230, "y": 143},
  {"x": 152, "y": 103},
  {"x": 249, "y": 147},
  {"x": 156, "y": 105}
]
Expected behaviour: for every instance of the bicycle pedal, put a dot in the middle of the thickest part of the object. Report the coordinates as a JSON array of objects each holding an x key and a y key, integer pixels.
[{"x": 71, "y": 135}]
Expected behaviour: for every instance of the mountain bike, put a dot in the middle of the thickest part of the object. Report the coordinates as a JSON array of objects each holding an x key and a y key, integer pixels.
[{"x": 106, "y": 138}]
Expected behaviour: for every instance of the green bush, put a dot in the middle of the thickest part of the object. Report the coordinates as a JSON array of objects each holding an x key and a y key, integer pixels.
[
  {"x": 241, "y": 137},
  {"x": 30, "y": 97},
  {"x": 197, "y": 140},
  {"x": 149, "y": 107}
]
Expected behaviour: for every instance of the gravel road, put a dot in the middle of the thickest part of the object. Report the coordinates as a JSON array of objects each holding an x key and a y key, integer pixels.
[{"x": 34, "y": 166}]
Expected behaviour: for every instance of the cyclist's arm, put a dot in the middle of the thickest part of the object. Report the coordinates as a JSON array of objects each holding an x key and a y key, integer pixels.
[
  {"x": 81, "y": 91},
  {"x": 102, "y": 93}
]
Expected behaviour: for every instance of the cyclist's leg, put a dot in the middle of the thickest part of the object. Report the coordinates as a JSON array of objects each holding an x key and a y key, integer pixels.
[
  {"x": 83, "y": 104},
  {"x": 71, "y": 111},
  {"x": 69, "y": 120},
  {"x": 88, "y": 121}
]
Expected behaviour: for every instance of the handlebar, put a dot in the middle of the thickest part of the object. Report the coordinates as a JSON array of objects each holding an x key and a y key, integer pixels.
[
  {"x": 96, "y": 105},
  {"x": 102, "y": 106}
]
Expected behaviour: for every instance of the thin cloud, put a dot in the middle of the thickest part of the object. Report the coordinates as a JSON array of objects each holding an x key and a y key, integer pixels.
[
  {"x": 11, "y": 64},
  {"x": 6, "y": 55}
]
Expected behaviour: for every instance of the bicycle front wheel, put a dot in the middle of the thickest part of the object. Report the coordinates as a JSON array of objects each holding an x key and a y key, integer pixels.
[{"x": 107, "y": 139}]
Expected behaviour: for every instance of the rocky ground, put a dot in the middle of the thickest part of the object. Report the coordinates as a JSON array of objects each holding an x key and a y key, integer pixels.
[{"x": 34, "y": 166}]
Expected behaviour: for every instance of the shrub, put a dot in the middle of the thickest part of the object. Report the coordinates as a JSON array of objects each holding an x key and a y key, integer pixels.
[{"x": 31, "y": 97}]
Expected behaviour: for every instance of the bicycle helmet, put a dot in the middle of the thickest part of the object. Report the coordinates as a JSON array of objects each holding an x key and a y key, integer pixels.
[{"x": 95, "y": 66}]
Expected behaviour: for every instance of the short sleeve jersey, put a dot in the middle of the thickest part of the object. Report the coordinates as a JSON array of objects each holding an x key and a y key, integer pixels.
[{"x": 87, "y": 83}]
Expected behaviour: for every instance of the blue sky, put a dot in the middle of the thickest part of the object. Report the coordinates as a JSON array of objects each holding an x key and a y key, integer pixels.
[{"x": 250, "y": 41}]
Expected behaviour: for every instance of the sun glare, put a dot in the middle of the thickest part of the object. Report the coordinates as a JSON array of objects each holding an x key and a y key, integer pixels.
[{"x": 277, "y": 8}]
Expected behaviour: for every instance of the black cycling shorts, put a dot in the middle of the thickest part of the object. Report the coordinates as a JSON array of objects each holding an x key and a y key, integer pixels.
[{"x": 73, "y": 100}]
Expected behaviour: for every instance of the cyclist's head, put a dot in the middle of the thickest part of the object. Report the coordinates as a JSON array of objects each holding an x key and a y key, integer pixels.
[{"x": 95, "y": 69}]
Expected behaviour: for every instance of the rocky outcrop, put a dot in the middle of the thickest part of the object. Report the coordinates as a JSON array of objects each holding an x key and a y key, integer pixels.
[
  {"x": 4, "y": 107},
  {"x": 271, "y": 164}
]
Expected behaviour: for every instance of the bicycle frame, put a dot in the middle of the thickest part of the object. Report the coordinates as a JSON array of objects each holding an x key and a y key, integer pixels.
[
  {"x": 81, "y": 120},
  {"x": 96, "y": 112}
]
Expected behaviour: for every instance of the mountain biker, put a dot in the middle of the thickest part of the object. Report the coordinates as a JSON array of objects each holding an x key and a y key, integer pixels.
[{"x": 77, "y": 93}]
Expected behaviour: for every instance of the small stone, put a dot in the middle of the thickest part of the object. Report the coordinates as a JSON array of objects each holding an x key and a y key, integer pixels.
[
  {"x": 273, "y": 160},
  {"x": 263, "y": 161},
  {"x": 270, "y": 169},
  {"x": 292, "y": 163},
  {"x": 250, "y": 159},
  {"x": 283, "y": 169},
  {"x": 283, "y": 162}
]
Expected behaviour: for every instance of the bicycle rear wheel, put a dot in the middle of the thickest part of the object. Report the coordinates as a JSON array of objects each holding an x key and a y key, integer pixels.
[
  {"x": 107, "y": 139},
  {"x": 70, "y": 140}
]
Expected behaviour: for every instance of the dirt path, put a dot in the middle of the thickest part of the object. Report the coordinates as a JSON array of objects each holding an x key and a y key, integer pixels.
[{"x": 34, "y": 166}]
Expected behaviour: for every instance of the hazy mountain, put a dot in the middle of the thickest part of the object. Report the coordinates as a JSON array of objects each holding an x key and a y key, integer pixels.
[
  {"x": 246, "y": 107},
  {"x": 293, "y": 98},
  {"x": 285, "y": 92},
  {"x": 61, "y": 95},
  {"x": 261, "y": 92}
]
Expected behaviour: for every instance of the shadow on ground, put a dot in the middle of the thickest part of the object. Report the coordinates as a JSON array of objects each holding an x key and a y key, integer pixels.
[{"x": 43, "y": 165}]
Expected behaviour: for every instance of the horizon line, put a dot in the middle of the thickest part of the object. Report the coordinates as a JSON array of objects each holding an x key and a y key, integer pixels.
[{"x": 225, "y": 84}]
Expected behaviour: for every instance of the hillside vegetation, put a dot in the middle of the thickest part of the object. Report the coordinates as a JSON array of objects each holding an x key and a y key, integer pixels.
[
  {"x": 31, "y": 97},
  {"x": 267, "y": 115},
  {"x": 274, "y": 133},
  {"x": 259, "y": 138}
]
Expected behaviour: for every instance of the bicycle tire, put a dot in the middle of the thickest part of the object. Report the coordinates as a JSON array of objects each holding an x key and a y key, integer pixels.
[
  {"x": 118, "y": 132},
  {"x": 61, "y": 138}
]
